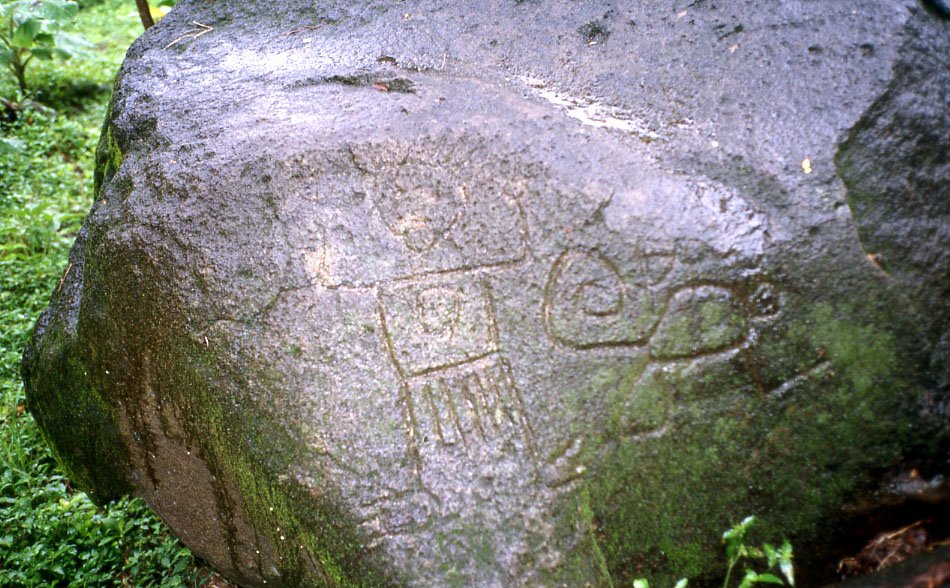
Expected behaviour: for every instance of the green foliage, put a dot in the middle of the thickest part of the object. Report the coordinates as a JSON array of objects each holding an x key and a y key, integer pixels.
[
  {"x": 737, "y": 550},
  {"x": 33, "y": 29},
  {"x": 51, "y": 534},
  {"x": 8, "y": 146}
]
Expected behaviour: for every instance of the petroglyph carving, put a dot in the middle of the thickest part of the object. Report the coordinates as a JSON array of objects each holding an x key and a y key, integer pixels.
[
  {"x": 707, "y": 376},
  {"x": 644, "y": 404},
  {"x": 638, "y": 403},
  {"x": 443, "y": 339},
  {"x": 591, "y": 301},
  {"x": 588, "y": 303},
  {"x": 468, "y": 404},
  {"x": 696, "y": 336},
  {"x": 437, "y": 216},
  {"x": 564, "y": 465},
  {"x": 699, "y": 321},
  {"x": 437, "y": 326},
  {"x": 419, "y": 218},
  {"x": 440, "y": 310},
  {"x": 420, "y": 215}
]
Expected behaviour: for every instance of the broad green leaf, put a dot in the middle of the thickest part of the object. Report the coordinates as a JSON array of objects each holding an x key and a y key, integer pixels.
[
  {"x": 43, "y": 53},
  {"x": 785, "y": 562},
  {"x": 749, "y": 579},
  {"x": 71, "y": 8},
  {"x": 771, "y": 553},
  {"x": 641, "y": 583},
  {"x": 682, "y": 583},
  {"x": 25, "y": 33},
  {"x": 11, "y": 145},
  {"x": 71, "y": 43},
  {"x": 788, "y": 572},
  {"x": 45, "y": 39},
  {"x": 57, "y": 10},
  {"x": 769, "y": 579},
  {"x": 62, "y": 53},
  {"x": 6, "y": 56}
]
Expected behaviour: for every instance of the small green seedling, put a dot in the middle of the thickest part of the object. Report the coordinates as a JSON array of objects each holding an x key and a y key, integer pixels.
[
  {"x": 32, "y": 29},
  {"x": 736, "y": 550}
]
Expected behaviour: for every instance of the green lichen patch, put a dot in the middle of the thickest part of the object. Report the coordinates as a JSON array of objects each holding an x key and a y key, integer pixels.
[
  {"x": 85, "y": 438},
  {"x": 661, "y": 502},
  {"x": 109, "y": 156},
  {"x": 698, "y": 321},
  {"x": 639, "y": 404},
  {"x": 315, "y": 540}
]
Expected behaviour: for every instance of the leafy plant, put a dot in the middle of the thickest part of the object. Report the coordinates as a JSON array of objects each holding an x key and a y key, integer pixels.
[
  {"x": 33, "y": 29},
  {"x": 737, "y": 550},
  {"x": 51, "y": 534}
]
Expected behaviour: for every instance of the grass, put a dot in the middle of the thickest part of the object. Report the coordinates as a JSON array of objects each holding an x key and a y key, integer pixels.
[{"x": 51, "y": 534}]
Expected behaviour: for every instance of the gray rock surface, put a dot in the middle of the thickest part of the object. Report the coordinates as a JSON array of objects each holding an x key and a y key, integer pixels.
[{"x": 505, "y": 293}]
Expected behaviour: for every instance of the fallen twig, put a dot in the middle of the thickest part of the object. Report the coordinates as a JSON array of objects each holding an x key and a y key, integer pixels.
[
  {"x": 192, "y": 34},
  {"x": 300, "y": 30},
  {"x": 63, "y": 279},
  {"x": 885, "y": 550}
]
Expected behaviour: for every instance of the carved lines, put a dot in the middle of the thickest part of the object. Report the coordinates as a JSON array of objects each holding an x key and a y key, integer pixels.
[
  {"x": 421, "y": 209},
  {"x": 689, "y": 332},
  {"x": 468, "y": 406},
  {"x": 590, "y": 303},
  {"x": 442, "y": 337},
  {"x": 437, "y": 326}
]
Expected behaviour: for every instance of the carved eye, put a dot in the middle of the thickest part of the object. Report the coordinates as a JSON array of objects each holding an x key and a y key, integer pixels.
[
  {"x": 419, "y": 238},
  {"x": 601, "y": 297},
  {"x": 591, "y": 285},
  {"x": 589, "y": 303},
  {"x": 765, "y": 300},
  {"x": 439, "y": 310}
]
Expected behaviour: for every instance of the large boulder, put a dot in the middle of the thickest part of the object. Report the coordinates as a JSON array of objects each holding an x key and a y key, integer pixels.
[{"x": 506, "y": 293}]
